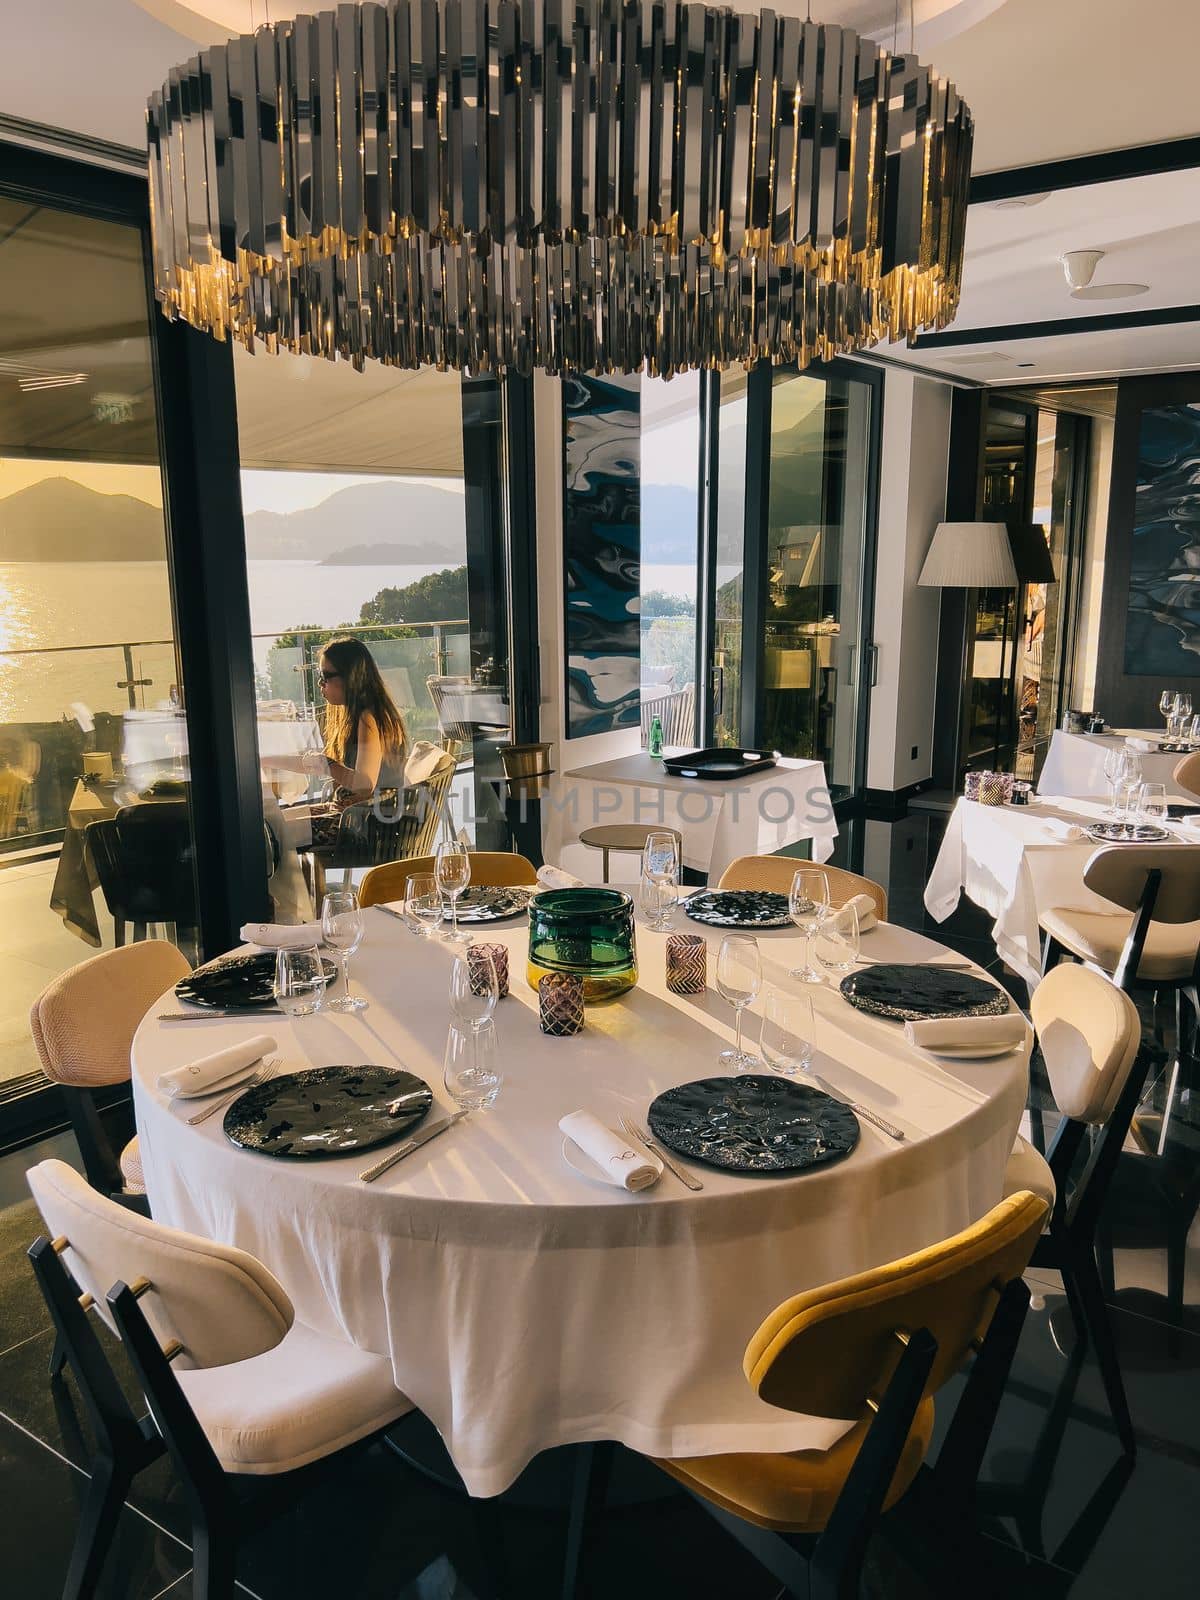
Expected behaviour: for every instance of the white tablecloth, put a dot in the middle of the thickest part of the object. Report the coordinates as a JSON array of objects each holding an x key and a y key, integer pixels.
[
  {"x": 523, "y": 1306},
  {"x": 719, "y": 821},
  {"x": 1075, "y": 764},
  {"x": 1006, "y": 860}
]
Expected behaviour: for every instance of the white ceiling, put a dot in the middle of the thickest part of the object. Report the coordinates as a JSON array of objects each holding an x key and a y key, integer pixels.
[{"x": 1046, "y": 79}]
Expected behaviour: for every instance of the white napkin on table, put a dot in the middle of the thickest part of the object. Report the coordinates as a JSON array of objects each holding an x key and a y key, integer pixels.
[
  {"x": 616, "y": 1158},
  {"x": 1058, "y": 829},
  {"x": 282, "y": 935},
  {"x": 214, "y": 1071},
  {"x": 865, "y": 906},
  {"x": 1141, "y": 744},
  {"x": 946, "y": 1036},
  {"x": 556, "y": 878}
]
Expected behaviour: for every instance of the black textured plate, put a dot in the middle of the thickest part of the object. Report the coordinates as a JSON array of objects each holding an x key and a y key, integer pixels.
[
  {"x": 1126, "y": 833},
  {"x": 237, "y": 981},
  {"x": 907, "y": 993},
  {"x": 481, "y": 904},
  {"x": 754, "y": 1123},
  {"x": 326, "y": 1111},
  {"x": 739, "y": 908}
]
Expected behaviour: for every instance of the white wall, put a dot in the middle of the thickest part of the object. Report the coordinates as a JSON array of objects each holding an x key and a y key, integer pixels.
[
  {"x": 912, "y": 501},
  {"x": 1095, "y": 536}
]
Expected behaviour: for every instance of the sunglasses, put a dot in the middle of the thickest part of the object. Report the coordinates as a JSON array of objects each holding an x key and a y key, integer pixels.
[{"x": 327, "y": 677}]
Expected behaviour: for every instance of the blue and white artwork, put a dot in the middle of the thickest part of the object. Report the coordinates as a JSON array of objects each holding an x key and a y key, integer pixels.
[
  {"x": 1162, "y": 633},
  {"x": 602, "y": 554}
]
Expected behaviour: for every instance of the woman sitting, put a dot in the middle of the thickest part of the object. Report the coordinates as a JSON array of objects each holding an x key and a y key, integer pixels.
[{"x": 366, "y": 742}]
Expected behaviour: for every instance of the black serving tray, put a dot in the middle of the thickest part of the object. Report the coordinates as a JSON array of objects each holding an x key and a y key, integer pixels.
[{"x": 720, "y": 764}]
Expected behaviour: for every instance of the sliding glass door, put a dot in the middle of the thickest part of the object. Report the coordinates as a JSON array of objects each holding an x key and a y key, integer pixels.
[{"x": 793, "y": 535}]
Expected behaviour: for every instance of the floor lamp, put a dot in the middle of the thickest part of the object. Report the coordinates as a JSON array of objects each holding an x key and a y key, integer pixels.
[{"x": 973, "y": 555}]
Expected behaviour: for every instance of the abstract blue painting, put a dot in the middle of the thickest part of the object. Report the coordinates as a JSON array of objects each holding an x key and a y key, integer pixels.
[
  {"x": 1162, "y": 633},
  {"x": 602, "y": 553}
]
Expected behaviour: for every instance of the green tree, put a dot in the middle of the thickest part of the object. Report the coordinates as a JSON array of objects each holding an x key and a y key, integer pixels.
[
  {"x": 438, "y": 597},
  {"x": 658, "y": 603},
  {"x": 293, "y": 652}
]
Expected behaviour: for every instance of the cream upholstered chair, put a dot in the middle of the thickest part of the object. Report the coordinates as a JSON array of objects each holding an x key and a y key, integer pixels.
[
  {"x": 492, "y": 869},
  {"x": 873, "y": 1349},
  {"x": 777, "y": 872},
  {"x": 237, "y": 1388},
  {"x": 1090, "y": 1035},
  {"x": 1186, "y": 774},
  {"x": 83, "y": 1025}
]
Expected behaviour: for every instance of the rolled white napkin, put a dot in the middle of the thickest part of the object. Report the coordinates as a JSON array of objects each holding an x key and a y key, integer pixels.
[
  {"x": 282, "y": 935},
  {"x": 423, "y": 761},
  {"x": 865, "y": 907},
  {"x": 556, "y": 878},
  {"x": 616, "y": 1158},
  {"x": 1058, "y": 829},
  {"x": 1142, "y": 744},
  {"x": 946, "y": 1036},
  {"x": 212, "y": 1072}
]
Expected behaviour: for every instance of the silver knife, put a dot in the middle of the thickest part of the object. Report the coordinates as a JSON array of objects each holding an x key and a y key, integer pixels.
[
  {"x": 865, "y": 1112},
  {"x": 406, "y": 1149},
  {"x": 207, "y": 1016}
]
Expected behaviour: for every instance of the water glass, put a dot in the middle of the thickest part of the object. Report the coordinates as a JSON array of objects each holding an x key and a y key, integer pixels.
[
  {"x": 471, "y": 1066},
  {"x": 474, "y": 990},
  {"x": 299, "y": 986},
  {"x": 808, "y": 902},
  {"x": 739, "y": 978},
  {"x": 658, "y": 900},
  {"x": 787, "y": 1031},
  {"x": 1152, "y": 803},
  {"x": 1193, "y": 732},
  {"x": 422, "y": 904},
  {"x": 342, "y": 930},
  {"x": 453, "y": 871},
  {"x": 837, "y": 939}
]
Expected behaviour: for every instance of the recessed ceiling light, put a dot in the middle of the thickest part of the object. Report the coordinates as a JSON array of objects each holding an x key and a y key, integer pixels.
[{"x": 1109, "y": 291}]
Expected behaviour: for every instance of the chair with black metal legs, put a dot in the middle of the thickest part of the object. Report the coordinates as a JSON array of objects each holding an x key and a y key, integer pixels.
[
  {"x": 1090, "y": 1035},
  {"x": 873, "y": 1349},
  {"x": 246, "y": 1400}
]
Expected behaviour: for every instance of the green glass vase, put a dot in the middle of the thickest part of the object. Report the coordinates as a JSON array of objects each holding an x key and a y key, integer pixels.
[{"x": 585, "y": 931}]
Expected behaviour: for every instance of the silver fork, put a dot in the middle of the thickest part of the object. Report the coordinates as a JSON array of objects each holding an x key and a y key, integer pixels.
[
  {"x": 259, "y": 1076},
  {"x": 632, "y": 1131}
]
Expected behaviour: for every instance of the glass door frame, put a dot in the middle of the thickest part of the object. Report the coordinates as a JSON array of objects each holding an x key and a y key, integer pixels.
[{"x": 755, "y": 566}]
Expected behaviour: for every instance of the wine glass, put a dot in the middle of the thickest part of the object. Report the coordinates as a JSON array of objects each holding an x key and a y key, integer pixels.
[
  {"x": 787, "y": 1031},
  {"x": 1166, "y": 707},
  {"x": 453, "y": 871},
  {"x": 1114, "y": 770},
  {"x": 474, "y": 989},
  {"x": 660, "y": 868},
  {"x": 1193, "y": 732},
  {"x": 471, "y": 1066},
  {"x": 837, "y": 939},
  {"x": 808, "y": 901},
  {"x": 422, "y": 904},
  {"x": 342, "y": 930},
  {"x": 739, "y": 978},
  {"x": 299, "y": 986}
]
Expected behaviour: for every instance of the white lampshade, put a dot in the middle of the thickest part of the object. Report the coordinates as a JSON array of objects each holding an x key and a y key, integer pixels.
[{"x": 969, "y": 555}]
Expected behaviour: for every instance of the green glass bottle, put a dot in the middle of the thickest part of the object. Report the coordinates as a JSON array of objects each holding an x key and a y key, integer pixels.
[{"x": 656, "y": 745}]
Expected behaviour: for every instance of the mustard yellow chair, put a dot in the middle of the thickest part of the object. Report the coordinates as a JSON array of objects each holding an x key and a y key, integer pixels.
[
  {"x": 873, "y": 1349},
  {"x": 776, "y": 873},
  {"x": 492, "y": 869},
  {"x": 1186, "y": 774}
]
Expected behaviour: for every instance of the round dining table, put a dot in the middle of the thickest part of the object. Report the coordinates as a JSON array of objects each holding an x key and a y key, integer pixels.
[{"x": 524, "y": 1306}]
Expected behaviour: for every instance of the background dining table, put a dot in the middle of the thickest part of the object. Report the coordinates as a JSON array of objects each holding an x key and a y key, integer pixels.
[
  {"x": 1075, "y": 762},
  {"x": 1012, "y": 864},
  {"x": 524, "y": 1306}
]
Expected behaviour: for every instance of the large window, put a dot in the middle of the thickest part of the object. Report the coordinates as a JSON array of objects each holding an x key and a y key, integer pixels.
[
  {"x": 95, "y": 815},
  {"x": 670, "y": 456}
]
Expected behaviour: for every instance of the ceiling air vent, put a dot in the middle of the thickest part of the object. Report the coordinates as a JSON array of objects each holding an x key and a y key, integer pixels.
[{"x": 978, "y": 358}]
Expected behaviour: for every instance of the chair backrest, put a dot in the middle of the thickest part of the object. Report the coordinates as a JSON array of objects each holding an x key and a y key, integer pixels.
[
  {"x": 145, "y": 862},
  {"x": 676, "y": 712},
  {"x": 83, "y": 1022},
  {"x": 825, "y": 1352},
  {"x": 371, "y": 832},
  {"x": 1119, "y": 872},
  {"x": 440, "y": 692},
  {"x": 1089, "y": 1031},
  {"x": 220, "y": 1303},
  {"x": 776, "y": 873},
  {"x": 489, "y": 868},
  {"x": 1186, "y": 774}
]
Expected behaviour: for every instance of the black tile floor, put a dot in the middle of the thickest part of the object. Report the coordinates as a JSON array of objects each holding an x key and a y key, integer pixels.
[{"x": 1061, "y": 1512}]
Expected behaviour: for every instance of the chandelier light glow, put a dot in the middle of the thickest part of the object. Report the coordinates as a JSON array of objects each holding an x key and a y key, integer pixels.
[{"x": 583, "y": 186}]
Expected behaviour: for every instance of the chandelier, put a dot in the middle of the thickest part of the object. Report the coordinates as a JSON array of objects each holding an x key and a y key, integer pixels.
[{"x": 591, "y": 186}]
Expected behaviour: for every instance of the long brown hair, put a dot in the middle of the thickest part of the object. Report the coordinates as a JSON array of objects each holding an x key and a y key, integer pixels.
[{"x": 365, "y": 691}]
